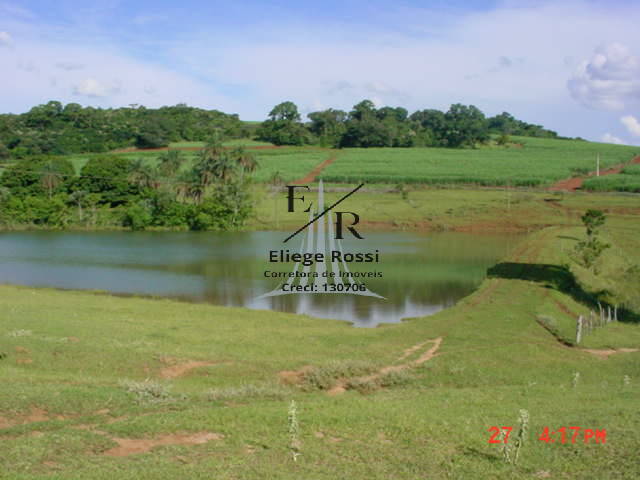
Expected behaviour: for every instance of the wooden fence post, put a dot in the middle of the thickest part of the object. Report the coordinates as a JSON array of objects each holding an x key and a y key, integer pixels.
[{"x": 579, "y": 330}]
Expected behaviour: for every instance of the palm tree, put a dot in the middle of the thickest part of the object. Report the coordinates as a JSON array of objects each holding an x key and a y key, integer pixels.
[
  {"x": 214, "y": 163},
  {"x": 50, "y": 178},
  {"x": 189, "y": 186},
  {"x": 78, "y": 198},
  {"x": 143, "y": 175},
  {"x": 245, "y": 160},
  {"x": 169, "y": 163}
]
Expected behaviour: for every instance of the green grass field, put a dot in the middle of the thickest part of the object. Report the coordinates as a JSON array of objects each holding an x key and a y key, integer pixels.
[
  {"x": 538, "y": 162},
  {"x": 95, "y": 385}
]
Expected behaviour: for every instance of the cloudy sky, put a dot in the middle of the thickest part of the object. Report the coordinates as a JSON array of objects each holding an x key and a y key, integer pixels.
[{"x": 573, "y": 66}]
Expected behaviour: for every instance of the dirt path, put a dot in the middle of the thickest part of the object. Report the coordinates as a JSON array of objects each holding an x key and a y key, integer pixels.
[
  {"x": 341, "y": 385},
  {"x": 311, "y": 176},
  {"x": 574, "y": 183}
]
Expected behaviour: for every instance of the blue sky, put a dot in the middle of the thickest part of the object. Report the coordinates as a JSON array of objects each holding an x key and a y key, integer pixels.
[{"x": 572, "y": 66}]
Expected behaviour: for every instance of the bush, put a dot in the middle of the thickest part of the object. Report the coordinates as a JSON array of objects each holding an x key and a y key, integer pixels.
[
  {"x": 247, "y": 391},
  {"x": 151, "y": 140},
  {"x": 147, "y": 391},
  {"x": 324, "y": 377},
  {"x": 137, "y": 217},
  {"x": 107, "y": 175}
]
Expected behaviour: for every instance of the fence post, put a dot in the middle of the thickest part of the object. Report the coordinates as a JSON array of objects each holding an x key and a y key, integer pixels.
[{"x": 579, "y": 330}]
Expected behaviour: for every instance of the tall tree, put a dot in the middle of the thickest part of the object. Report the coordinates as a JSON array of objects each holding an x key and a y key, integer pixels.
[
  {"x": 285, "y": 111},
  {"x": 465, "y": 126},
  {"x": 283, "y": 126}
]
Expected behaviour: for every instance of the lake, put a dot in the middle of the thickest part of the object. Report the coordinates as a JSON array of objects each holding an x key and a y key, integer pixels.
[{"x": 421, "y": 273}]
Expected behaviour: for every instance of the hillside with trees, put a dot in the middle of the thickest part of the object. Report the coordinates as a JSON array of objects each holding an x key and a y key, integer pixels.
[
  {"x": 56, "y": 129},
  {"x": 60, "y": 130}
]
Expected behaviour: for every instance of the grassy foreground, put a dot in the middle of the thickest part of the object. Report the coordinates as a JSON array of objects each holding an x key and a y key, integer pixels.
[{"x": 103, "y": 387}]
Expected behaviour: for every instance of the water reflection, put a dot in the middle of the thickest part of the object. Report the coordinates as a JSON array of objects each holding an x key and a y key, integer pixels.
[{"x": 422, "y": 274}]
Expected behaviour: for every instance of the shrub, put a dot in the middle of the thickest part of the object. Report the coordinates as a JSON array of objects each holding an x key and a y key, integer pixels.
[
  {"x": 247, "y": 391},
  {"x": 147, "y": 391}
]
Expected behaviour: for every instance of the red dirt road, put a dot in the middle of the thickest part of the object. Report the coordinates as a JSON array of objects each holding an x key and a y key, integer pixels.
[
  {"x": 574, "y": 183},
  {"x": 311, "y": 176}
]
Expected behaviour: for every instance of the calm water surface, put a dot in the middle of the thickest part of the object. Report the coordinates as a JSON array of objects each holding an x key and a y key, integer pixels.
[{"x": 422, "y": 273}]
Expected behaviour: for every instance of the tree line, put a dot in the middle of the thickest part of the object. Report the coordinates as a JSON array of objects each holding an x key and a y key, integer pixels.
[
  {"x": 210, "y": 194},
  {"x": 58, "y": 129},
  {"x": 368, "y": 126}
]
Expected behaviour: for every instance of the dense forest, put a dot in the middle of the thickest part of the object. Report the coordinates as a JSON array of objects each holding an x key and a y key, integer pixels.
[{"x": 58, "y": 129}]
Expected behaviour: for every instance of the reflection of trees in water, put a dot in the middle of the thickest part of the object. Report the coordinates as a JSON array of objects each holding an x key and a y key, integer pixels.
[{"x": 409, "y": 289}]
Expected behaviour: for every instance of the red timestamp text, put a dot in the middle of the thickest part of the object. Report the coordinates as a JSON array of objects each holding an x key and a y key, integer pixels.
[{"x": 561, "y": 435}]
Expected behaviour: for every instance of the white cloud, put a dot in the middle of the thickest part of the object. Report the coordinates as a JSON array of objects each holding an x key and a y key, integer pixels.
[
  {"x": 632, "y": 125},
  {"x": 609, "y": 81},
  {"x": 98, "y": 76},
  {"x": 338, "y": 66},
  {"x": 608, "y": 138},
  {"x": 5, "y": 39},
  {"x": 91, "y": 87}
]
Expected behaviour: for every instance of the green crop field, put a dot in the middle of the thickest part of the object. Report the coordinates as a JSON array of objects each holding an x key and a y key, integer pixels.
[
  {"x": 631, "y": 170},
  {"x": 627, "y": 181},
  {"x": 618, "y": 183},
  {"x": 538, "y": 162}
]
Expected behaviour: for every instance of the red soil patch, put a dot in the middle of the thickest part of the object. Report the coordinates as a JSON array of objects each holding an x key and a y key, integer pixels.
[
  {"x": 606, "y": 353},
  {"x": 132, "y": 446},
  {"x": 175, "y": 371},
  {"x": 311, "y": 176},
  {"x": 293, "y": 377},
  {"x": 35, "y": 415},
  {"x": 574, "y": 183}
]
